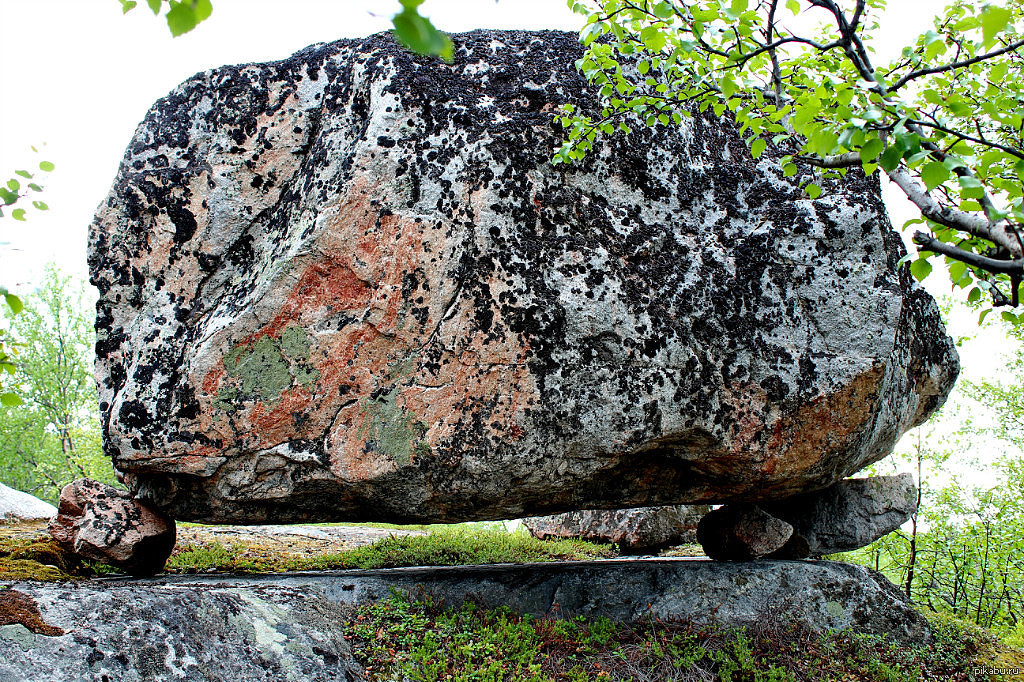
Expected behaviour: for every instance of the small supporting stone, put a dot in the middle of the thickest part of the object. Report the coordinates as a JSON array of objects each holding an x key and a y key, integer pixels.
[
  {"x": 635, "y": 531},
  {"x": 741, "y": 532},
  {"x": 846, "y": 516},
  {"x": 103, "y": 523}
]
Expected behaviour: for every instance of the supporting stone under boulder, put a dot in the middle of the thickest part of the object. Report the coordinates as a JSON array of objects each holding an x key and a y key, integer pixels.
[
  {"x": 635, "y": 531},
  {"x": 103, "y": 523},
  {"x": 849, "y": 515},
  {"x": 350, "y": 285},
  {"x": 846, "y": 516},
  {"x": 741, "y": 532},
  {"x": 292, "y": 627}
]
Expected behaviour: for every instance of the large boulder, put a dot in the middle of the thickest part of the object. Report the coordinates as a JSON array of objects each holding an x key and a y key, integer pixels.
[
  {"x": 635, "y": 531},
  {"x": 351, "y": 285},
  {"x": 17, "y": 506}
]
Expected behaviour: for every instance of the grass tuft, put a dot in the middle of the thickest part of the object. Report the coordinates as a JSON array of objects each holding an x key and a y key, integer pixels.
[
  {"x": 402, "y": 639},
  {"x": 442, "y": 547}
]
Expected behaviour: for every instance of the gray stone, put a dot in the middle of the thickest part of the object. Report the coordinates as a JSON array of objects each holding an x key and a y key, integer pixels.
[
  {"x": 639, "y": 530},
  {"x": 741, "y": 532},
  {"x": 18, "y": 506},
  {"x": 848, "y": 515},
  {"x": 351, "y": 285},
  {"x": 103, "y": 523},
  {"x": 293, "y": 627},
  {"x": 139, "y": 632}
]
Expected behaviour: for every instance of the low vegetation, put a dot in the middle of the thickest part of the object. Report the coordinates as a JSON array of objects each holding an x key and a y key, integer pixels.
[
  {"x": 443, "y": 547},
  {"x": 399, "y": 639}
]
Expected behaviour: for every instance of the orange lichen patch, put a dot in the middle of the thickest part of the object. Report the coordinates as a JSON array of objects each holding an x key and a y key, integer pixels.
[
  {"x": 19, "y": 608},
  {"x": 826, "y": 425},
  {"x": 327, "y": 285},
  {"x": 278, "y": 424}
]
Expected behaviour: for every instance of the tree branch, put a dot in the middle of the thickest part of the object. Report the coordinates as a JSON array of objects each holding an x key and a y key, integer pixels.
[
  {"x": 952, "y": 66},
  {"x": 998, "y": 233},
  {"x": 993, "y": 265}
]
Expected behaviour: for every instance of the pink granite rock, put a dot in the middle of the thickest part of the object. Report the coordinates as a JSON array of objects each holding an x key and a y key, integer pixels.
[{"x": 100, "y": 522}]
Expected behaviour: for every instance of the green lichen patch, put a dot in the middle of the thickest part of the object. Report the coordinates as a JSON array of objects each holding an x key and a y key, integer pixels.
[
  {"x": 392, "y": 429},
  {"x": 266, "y": 368}
]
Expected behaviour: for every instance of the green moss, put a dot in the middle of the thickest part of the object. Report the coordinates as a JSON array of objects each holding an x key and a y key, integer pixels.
[
  {"x": 41, "y": 558},
  {"x": 444, "y": 547}
]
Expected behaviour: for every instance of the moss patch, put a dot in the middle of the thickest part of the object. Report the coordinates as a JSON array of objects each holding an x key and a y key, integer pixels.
[{"x": 38, "y": 557}]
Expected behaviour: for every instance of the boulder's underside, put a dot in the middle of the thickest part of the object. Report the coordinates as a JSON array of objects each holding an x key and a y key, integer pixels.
[{"x": 351, "y": 285}]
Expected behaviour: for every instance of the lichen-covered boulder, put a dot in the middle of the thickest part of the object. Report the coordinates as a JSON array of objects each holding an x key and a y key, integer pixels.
[
  {"x": 103, "y": 523},
  {"x": 351, "y": 285},
  {"x": 644, "y": 529},
  {"x": 846, "y": 516}
]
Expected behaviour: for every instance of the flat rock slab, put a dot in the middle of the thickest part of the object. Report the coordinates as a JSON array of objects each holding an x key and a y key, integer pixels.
[
  {"x": 292, "y": 627},
  {"x": 303, "y": 540}
]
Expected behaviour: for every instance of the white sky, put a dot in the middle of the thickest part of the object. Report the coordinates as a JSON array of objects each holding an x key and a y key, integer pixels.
[{"x": 78, "y": 77}]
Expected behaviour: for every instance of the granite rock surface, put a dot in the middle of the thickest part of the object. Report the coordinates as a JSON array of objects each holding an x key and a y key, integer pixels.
[
  {"x": 635, "y": 531},
  {"x": 18, "y": 506},
  {"x": 846, "y": 516},
  {"x": 350, "y": 285}
]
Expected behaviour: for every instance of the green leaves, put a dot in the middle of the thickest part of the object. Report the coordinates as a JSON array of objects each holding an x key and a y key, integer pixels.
[
  {"x": 920, "y": 269},
  {"x": 934, "y": 174},
  {"x": 993, "y": 22},
  {"x": 14, "y": 190},
  {"x": 419, "y": 35},
  {"x": 182, "y": 15},
  {"x": 185, "y": 15},
  {"x": 13, "y": 302},
  {"x": 871, "y": 149}
]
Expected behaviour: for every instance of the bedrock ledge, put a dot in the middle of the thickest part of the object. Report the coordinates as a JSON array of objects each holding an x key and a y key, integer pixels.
[{"x": 292, "y": 627}]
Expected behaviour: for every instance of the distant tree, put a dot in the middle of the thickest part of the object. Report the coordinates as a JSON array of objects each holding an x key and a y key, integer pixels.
[
  {"x": 943, "y": 121},
  {"x": 13, "y": 193},
  {"x": 54, "y": 437}
]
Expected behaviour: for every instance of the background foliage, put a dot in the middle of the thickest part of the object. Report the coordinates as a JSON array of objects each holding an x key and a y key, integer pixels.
[{"x": 54, "y": 436}]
